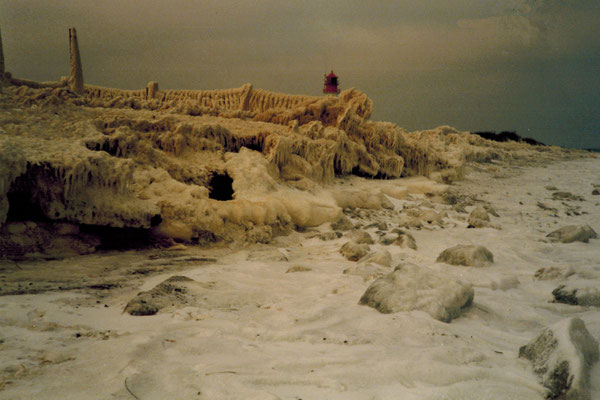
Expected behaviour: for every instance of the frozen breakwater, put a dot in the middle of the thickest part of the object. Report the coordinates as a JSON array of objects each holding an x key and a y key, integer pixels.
[{"x": 166, "y": 248}]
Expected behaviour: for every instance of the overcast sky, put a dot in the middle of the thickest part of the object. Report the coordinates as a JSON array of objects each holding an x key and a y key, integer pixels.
[{"x": 527, "y": 65}]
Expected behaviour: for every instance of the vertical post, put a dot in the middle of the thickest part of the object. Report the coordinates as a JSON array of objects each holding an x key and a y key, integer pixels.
[
  {"x": 76, "y": 80},
  {"x": 151, "y": 90},
  {"x": 245, "y": 98},
  {"x": 1, "y": 62}
]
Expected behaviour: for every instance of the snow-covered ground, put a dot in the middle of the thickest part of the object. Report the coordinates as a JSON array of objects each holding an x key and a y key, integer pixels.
[{"x": 282, "y": 321}]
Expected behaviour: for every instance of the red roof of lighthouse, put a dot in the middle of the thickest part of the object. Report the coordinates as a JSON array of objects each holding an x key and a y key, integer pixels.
[{"x": 331, "y": 75}]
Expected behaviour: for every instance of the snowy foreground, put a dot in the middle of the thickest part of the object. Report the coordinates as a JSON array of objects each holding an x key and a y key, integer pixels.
[{"x": 283, "y": 320}]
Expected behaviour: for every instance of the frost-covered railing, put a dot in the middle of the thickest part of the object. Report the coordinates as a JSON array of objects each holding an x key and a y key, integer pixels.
[
  {"x": 99, "y": 92},
  {"x": 244, "y": 98}
]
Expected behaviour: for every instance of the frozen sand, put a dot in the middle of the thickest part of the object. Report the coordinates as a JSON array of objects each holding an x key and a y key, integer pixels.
[{"x": 262, "y": 333}]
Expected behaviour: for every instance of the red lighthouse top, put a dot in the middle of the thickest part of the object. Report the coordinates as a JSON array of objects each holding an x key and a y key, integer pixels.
[{"x": 331, "y": 84}]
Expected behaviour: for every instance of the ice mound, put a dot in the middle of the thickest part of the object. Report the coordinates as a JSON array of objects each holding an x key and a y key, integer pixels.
[
  {"x": 177, "y": 291},
  {"x": 354, "y": 251},
  {"x": 573, "y": 233},
  {"x": 563, "y": 356},
  {"x": 578, "y": 293},
  {"x": 411, "y": 287},
  {"x": 467, "y": 255},
  {"x": 198, "y": 166}
]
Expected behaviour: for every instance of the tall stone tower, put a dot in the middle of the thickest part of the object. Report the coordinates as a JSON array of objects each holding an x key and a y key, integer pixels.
[{"x": 76, "y": 80}]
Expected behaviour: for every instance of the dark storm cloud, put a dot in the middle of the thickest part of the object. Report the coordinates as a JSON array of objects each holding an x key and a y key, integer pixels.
[{"x": 476, "y": 64}]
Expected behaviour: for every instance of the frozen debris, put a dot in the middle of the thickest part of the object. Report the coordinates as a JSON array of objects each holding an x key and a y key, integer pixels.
[
  {"x": 298, "y": 268},
  {"x": 405, "y": 239},
  {"x": 326, "y": 236},
  {"x": 380, "y": 225},
  {"x": 421, "y": 217},
  {"x": 545, "y": 207},
  {"x": 577, "y": 293},
  {"x": 430, "y": 217},
  {"x": 361, "y": 237},
  {"x": 388, "y": 238},
  {"x": 353, "y": 251},
  {"x": 573, "y": 233},
  {"x": 381, "y": 257},
  {"x": 479, "y": 218},
  {"x": 548, "y": 274},
  {"x": 566, "y": 196},
  {"x": 342, "y": 224},
  {"x": 562, "y": 357},
  {"x": 177, "y": 291},
  {"x": 411, "y": 287},
  {"x": 467, "y": 255}
]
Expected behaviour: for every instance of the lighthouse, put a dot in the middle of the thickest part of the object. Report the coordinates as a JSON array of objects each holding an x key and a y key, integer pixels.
[{"x": 331, "y": 84}]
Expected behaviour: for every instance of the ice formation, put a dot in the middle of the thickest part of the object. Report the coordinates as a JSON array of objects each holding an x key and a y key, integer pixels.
[
  {"x": 204, "y": 165},
  {"x": 467, "y": 255},
  {"x": 411, "y": 287},
  {"x": 562, "y": 356},
  {"x": 573, "y": 233}
]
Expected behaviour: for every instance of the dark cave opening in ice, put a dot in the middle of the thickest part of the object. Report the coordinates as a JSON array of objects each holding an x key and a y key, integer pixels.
[{"x": 221, "y": 188}]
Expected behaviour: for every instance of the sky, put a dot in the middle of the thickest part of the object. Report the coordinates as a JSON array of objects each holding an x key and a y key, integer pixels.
[{"x": 530, "y": 66}]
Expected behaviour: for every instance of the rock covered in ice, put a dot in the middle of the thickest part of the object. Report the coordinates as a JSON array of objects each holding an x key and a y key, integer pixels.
[
  {"x": 176, "y": 291},
  {"x": 430, "y": 216},
  {"x": 342, "y": 224},
  {"x": 405, "y": 240},
  {"x": 388, "y": 238},
  {"x": 562, "y": 357},
  {"x": 381, "y": 257},
  {"x": 578, "y": 293},
  {"x": 566, "y": 196},
  {"x": 573, "y": 233},
  {"x": 550, "y": 273},
  {"x": 354, "y": 251},
  {"x": 479, "y": 218},
  {"x": 325, "y": 236},
  {"x": 361, "y": 237},
  {"x": 411, "y": 287},
  {"x": 467, "y": 255}
]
